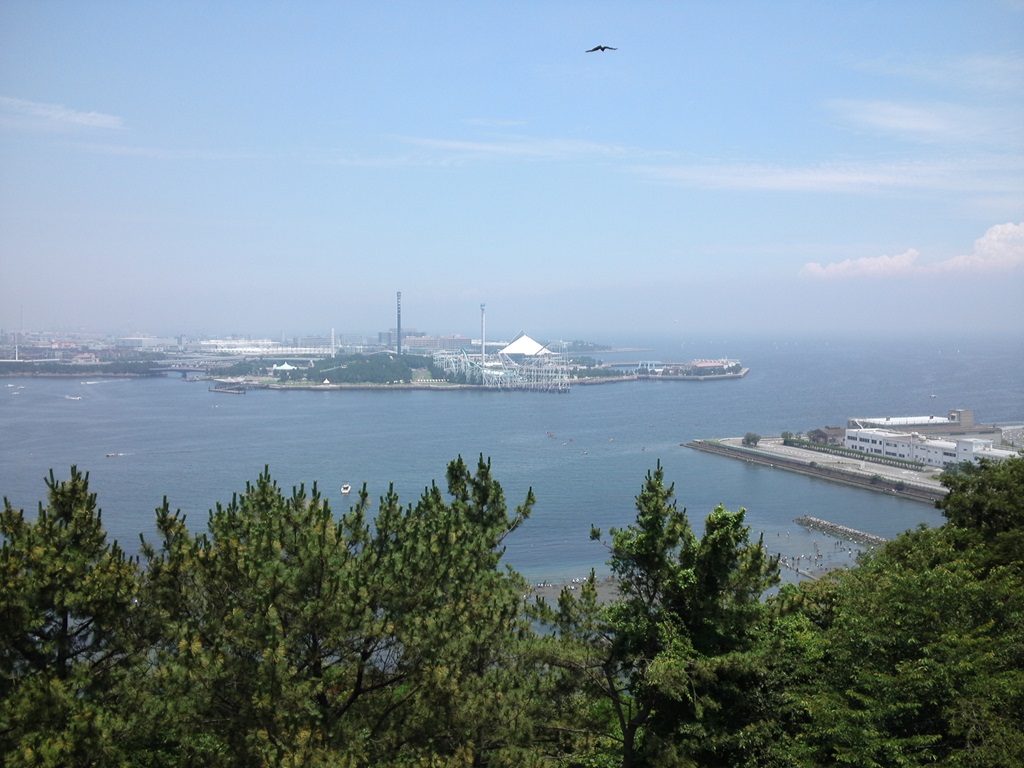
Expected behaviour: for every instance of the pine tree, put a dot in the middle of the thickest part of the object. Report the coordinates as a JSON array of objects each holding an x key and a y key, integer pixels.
[
  {"x": 68, "y": 632},
  {"x": 666, "y": 656},
  {"x": 293, "y": 637}
]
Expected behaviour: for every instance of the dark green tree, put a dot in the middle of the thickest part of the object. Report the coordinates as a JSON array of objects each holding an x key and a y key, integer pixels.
[
  {"x": 987, "y": 497},
  {"x": 666, "y": 658},
  {"x": 68, "y": 633},
  {"x": 916, "y": 656},
  {"x": 917, "y": 660},
  {"x": 293, "y": 637}
]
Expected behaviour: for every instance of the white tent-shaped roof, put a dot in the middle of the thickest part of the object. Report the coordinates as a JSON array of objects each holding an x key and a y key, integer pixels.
[{"x": 524, "y": 345}]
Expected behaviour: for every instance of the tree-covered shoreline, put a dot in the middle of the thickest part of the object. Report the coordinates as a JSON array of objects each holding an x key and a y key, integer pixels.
[{"x": 288, "y": 633}]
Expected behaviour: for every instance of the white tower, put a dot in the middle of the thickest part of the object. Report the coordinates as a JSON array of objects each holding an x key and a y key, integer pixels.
[{"x": 483, "y": 333}]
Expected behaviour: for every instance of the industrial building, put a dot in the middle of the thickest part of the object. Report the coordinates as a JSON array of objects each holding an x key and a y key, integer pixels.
[
  {"x": 913, "y": 446},
  {"x": 959, "y": 421}
]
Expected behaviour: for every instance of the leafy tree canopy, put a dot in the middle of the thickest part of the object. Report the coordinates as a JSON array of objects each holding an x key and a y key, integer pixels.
[
  {"x": 986, "y": 496},
  {"x": 288, "y": 633}
]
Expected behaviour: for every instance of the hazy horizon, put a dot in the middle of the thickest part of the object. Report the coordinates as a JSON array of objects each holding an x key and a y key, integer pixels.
[{"x": 282, "y": 169}]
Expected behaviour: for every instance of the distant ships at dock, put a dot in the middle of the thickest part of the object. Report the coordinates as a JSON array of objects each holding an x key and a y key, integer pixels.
[{"x": 229, "y": 389}]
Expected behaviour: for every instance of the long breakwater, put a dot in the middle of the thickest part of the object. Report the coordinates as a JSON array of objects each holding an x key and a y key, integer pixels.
[
  {"x": 840, "y": 531},
  {"x": 846, "y": 476}
]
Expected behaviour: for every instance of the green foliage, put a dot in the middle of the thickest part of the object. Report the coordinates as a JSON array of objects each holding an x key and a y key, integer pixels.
[
  {"x": 288, "y": 634},
  {"x": 67, "y": 631},
  {"x": 253, "y": 367},
  {"x": 958, "y": 467},
  {"x": 292, "y": 637},
  {"x": 382, "y": 368},
  {"x": 751, "y": 438},
  {"x": 666, "y": 660},
  {"x": 987, "y": 497},
  {"x": 920, "y": 660},
  {"x": 915, "y": 657},
  {"x": 837, "y": 450}
]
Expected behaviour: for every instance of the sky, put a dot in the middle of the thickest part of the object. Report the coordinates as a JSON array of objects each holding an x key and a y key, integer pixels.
[{"x": 280, "y": 169}]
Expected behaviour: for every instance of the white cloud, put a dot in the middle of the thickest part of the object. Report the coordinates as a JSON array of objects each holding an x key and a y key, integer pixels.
[
  {"x": 491, "y": 122},
  {"x": 868, "y": 266},
  {"x": 832, "y": 177},
  {"x": 519, "y": 146},
  {"x": 57, "y": 114},
  {"x": 925, "y": 122},
  {"x": 992, "y": 73},
  {"x": 1000, "y": 250},
  {"x": 159, "y": 153},
  {"x": 987, "y": 173}
]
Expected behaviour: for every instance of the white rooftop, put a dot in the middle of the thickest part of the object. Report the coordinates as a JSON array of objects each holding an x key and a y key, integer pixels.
[
  {"x": 524, "y": 345},
  {"x": 908, "y": 421}
]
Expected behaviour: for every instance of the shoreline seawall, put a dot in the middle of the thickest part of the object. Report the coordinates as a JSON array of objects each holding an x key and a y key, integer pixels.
[{"x": 866, "y": 480}]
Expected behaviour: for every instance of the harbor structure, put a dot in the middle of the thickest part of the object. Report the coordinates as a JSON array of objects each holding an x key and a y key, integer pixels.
[{"x": 840, "y": 531}]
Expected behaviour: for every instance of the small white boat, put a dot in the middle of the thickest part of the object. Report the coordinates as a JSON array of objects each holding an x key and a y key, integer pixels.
[{"x": 346, "y": 488}]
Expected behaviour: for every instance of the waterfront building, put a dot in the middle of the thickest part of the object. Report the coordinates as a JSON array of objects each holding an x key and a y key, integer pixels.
[
  {"x": 320, "y": 344},
  {"x": 424, "y": 343},
  {"x": 827, "y": 435},
  {"x": 959, "y": 421},
  {"x": 144, "y": 343},
  {"x": 389, "y": 338},
  {"x": 914, "y": 446}
]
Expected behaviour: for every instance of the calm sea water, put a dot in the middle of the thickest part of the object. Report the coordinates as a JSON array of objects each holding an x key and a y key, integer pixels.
[{"x": 585, "y": 453}]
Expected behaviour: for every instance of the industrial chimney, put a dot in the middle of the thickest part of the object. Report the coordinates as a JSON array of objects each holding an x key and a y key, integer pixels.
[{"x": 398, "y": 343}]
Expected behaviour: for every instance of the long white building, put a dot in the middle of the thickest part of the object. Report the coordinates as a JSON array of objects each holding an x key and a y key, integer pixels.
[
  {"x": 914, "y": 447},
  {"x": 959, "y": 421}
]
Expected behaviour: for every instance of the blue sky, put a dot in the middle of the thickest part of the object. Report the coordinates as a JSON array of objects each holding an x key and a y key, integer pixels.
[{"x": 285, "y": 168}]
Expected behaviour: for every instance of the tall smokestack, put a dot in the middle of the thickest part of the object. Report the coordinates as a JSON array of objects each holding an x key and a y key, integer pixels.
[
  {"x": 398, "y": 343},
  {"x": 483, "y": 333}
]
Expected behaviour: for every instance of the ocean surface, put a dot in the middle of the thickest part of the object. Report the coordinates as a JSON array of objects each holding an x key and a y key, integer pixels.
[{"x": 585, "y": 453}]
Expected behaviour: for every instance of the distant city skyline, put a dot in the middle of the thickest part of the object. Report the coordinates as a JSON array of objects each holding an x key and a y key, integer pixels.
[{"x": 281, "y": 169}]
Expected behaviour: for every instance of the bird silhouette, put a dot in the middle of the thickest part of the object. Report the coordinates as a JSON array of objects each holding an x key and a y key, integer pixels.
[{"x": 601, "y": 48}]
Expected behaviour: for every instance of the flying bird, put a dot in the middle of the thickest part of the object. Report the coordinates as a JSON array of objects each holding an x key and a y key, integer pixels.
[{"x": 601, "y": 48}]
